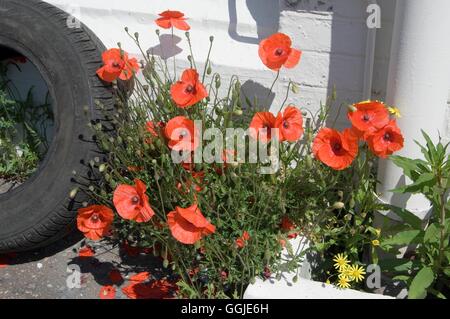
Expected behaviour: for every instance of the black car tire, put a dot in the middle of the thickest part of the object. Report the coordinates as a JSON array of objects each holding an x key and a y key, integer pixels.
[{"x": 40, "y": 211}]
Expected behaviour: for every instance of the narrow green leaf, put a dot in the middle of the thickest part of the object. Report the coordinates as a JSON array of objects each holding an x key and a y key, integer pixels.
[
  {"x": 426, "y": 179},
  {"x": 407, "y": 217},
  {"x": 406, "y": 237}
]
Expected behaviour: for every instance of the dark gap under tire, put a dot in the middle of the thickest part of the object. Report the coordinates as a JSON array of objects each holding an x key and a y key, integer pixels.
[{"x": 40, "y": 211}]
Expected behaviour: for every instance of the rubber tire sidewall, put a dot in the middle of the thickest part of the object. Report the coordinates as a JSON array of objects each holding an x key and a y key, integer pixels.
[{"x": 40, "y": 206}]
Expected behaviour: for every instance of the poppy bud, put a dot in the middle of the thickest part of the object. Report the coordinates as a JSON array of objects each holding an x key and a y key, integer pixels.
[
  {"x": 136, "y": 35},
  {"x": 352, "y": 108},
  {"x": 308, "y": 161},
  {"x": 338, "y": 205},
  {"x": 238, "y": 112},
  {"x": 295, "y": 89},
  {"x": 211, "y": 38},
  {"x": 218, "y": 83},
  {"x": 187, "y": 34},
  {"x": 348, "y": 217},
  {"x": 295, "y": 279},
  {"x": 165, "y": 263},
  {"x": 73, "y": 193},
  {"x": 209, "y": 69},
  {"x": 157, "y": 32},
  {"x": 102, "y": 168}
]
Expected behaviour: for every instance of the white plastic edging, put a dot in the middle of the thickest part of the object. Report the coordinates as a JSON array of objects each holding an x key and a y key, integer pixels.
[{"x": 286, "y": 288}]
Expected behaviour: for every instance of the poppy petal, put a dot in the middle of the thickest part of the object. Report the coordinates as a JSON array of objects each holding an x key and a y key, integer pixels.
[{"x": 293, "y": 58}]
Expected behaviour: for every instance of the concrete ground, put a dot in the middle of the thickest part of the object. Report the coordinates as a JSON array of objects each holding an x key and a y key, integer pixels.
[{"x": 56, "y": 272}]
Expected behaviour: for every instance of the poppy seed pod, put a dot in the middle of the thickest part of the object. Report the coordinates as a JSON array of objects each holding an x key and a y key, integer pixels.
[
  {"x": 73, "y": 193},
  {"x": 338, "y": 205}
]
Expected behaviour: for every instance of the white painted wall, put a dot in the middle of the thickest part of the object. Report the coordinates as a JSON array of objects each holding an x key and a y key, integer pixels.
[{"x": 332, "y": 34}]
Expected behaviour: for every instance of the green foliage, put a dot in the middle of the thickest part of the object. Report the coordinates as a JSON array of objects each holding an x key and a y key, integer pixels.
[
  {"x": 333, "y": 209},
  {"x": 23, "y": 126},
  {"x": 429, "y": 273}
]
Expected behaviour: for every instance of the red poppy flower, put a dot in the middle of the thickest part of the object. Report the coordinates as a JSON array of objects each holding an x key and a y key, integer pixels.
[
  {"x": 130, "y": 69},
  {"x": 189, "y": 90},
  {"x": 182, "y": 134},
  {"x": 141, "y": 277},
  {"x": 276, "y": 51},
  {"x": 95, "y": 221},
  {"x": 386, "y": 141},
  {"x": 117, "y": 65},
  {"x": 288, "y": 226},
  {"x": 290, "y": 124},
  {"x": 261, "y": 126},
  {"x": 188, "y": 225},
  {"x": 115, "y": 276},
  {"x": 86, "y": 252},
  {"x": 131, "y": 202},
  {"x": 173, "y": 19},
  {"x": 241, "y": 241},
  {"x": 107, "y": 292},
  {"x": 335, "y": 149},
  {"x": 159, "y": 289},
  {"x": 368, "y": 117}
]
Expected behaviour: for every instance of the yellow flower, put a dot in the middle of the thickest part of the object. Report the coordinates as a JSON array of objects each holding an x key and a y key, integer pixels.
[
  {"x": 375, "y": 242},
  {"x": 356, "y": 273},
  {"x": 378, "y": 232},
  {"x": 328, "y": 281},
  {"x": 341, "y": 261},
  {"x": 394, "y": 111},
  {"x": 343, "y": 282},
  {"x": 346, "y": 272}
]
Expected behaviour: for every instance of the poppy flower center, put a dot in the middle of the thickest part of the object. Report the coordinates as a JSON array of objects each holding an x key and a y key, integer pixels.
[
  {"x": 135, "y": 200},
  {"x": 366, "y": 118},
  {"x": 116, "y": 64},
  {"x": 189, "y": 88},
  {"x": 95, "y": 218},
  {"x": 279, "y": 52},
  {"x": 285, "y": 124},
  {"x": 336, "y": 146},
  {"x": 387, "y": 136},
  {"x": 182, "y": 135}
]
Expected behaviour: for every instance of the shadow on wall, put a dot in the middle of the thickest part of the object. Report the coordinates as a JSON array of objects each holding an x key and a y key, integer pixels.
[
  {"x": 266, "y": 14},
  {"x": 346, "y": 48}
]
